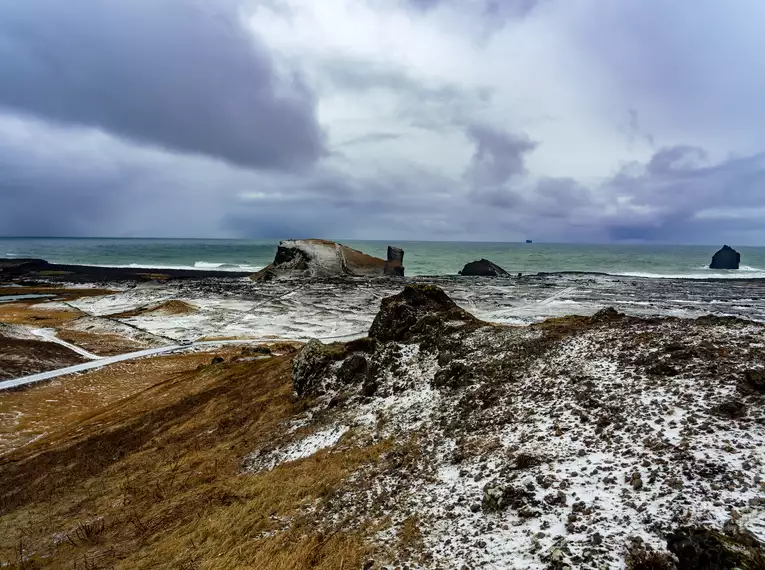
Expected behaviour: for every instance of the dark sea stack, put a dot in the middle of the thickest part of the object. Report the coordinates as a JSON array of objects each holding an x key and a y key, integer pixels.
[
  {"x": 394, "y": 264},
  {"x": 483, "y": 268},
  {"x": 726, "y": 258}
]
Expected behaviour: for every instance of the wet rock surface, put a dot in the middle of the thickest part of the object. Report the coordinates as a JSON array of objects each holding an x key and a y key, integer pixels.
[
  {"x": 726, "y": 258},
  {"x": 483, "y": 268}
]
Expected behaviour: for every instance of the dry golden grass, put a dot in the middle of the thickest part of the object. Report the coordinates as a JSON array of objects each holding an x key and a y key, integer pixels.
[
  {"x": 173, "y": 307},
  {"x": 102, "y": 344},
  {"x": 28, "y": 314},
  {"x": 57, "y": 405},
  {"x": 61, "y": 293},
  {"x": 154, "y": 480}
]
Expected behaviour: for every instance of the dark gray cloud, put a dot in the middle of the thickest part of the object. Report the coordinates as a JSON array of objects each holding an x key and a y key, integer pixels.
[
  {"x": 176, "y": 73},
  {"x": 678, "y": 195},
  {"x": 498, "y": 157}
]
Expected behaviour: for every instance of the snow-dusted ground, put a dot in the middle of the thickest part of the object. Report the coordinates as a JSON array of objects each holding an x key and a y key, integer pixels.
[
  {"x": 296, "y": 309},
  {"x": 549, "y": 447}
]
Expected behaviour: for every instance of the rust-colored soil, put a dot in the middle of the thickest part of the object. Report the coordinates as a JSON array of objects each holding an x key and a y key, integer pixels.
[
  {"x": 61, "y": 293},
  {"x": 357, "y": 259}
]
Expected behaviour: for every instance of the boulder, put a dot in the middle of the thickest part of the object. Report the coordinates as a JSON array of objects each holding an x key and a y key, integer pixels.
[
  {"x": 483, "y": 268},
  {"x": 395, "y": 262},
  {"x": 700, "y": 547},
  {"x": 416, "y": 309},
  {"x": 322, "y": 258},
  {"x": 310, "y": 365},
  {"x": 726, "y": 258}
]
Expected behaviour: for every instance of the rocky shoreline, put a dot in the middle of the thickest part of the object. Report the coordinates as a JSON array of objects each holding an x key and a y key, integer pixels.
[{"x": 40, "y": 270}]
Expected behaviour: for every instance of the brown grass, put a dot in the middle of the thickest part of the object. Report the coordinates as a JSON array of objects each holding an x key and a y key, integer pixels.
[
  {"x": 61, "y": 293},
  {"x": 28, "y": 314},
  {"x": 173, "y": 307},
  {"x": 20, "y": 357},
  {"x": 102, "y": 344},
  {"x": 60, "y": 404},
  {"x": 154, "y": 481}
]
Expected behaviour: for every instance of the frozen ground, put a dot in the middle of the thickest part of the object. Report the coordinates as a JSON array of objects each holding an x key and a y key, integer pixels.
[
  {"x": 543, "y": 447},
  {"x": 297, "y": 309}
]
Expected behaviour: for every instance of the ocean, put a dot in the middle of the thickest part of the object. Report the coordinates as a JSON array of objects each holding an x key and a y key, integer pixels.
[{"x": 421, "y": 258}]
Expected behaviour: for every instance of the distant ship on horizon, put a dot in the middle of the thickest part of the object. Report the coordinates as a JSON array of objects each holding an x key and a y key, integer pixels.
[{"x": 529, "y": 241}]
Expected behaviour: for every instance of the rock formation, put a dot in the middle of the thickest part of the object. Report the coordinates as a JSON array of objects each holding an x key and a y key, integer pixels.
[
  {"x": 322, "y": 258},
  {"x": 726, "y": 258},
  {"x": 483, "y": 268},
  {"x": 394, "y": 264},
  {"x": 403, "y": 316}
]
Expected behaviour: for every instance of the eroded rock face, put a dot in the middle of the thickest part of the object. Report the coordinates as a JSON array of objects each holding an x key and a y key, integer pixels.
[
  {"x": 483, "y": 268},
  {"x": 726, "y": 258},
  {"x": 400, "y": 315},
  {"x": 322, "y": 258}
]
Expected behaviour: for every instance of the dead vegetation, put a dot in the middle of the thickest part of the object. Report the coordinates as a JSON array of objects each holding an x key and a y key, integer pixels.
[
  {"x": 168, "y": 308},
  {"x": 102, "y": 344},
  {"x": 20, "y": 357},
  {"x": 154, "y": 480}
]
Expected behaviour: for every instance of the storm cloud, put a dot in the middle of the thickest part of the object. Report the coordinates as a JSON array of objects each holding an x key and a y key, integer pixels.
[
  {"x": 414, "y": 119},
  {"x": 176, "y": 73}
]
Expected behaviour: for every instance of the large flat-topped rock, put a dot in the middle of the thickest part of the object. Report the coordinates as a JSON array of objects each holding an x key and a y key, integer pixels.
[{"x": 318, "y": 258}]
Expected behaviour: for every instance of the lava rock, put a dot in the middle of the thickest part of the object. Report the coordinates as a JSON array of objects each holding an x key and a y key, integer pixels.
[
  {"x": 755, "y": 380},
  {"x": 606, "y": 315},
  {"x": 310, "y": 365},
  {"x": 394, "y": 264},
  {"x": 353, "y": 369},
  {"x": 455, "y": 375},
  {"x": 704, "y": 548},
  {"x": 726, "y": 258},
  {"x": 399, "y": 315},
  {"x": 733, "y": 409},
  {"x": 483, "y": 268}
]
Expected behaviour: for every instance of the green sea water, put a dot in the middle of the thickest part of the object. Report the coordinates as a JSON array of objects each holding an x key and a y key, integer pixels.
[{"x": 421, "y": 258}]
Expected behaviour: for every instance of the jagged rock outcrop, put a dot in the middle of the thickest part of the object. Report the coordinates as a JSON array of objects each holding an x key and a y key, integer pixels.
[
  {"x": 395, "y": 262},
  {"x": 483, "y": 268},
  {"x": 322, "y": 258},
  {"x": 413, "y": 311},
  {"x": 726, "y": 258}
]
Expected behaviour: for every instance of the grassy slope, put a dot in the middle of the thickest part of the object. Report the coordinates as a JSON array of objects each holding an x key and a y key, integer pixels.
[{"x": 154, "y": 480}]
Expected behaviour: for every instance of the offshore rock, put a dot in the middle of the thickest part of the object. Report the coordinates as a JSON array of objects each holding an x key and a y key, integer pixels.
[
  {"x": 483, "y": 268},
  {"x": 726, "y": 258},
  {"x": 322, "y": 258},
  {"x": 395, "y": 262}
]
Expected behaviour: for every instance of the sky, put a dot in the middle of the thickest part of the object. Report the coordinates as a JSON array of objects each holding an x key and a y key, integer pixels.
[{"x": 488, "y": 120}]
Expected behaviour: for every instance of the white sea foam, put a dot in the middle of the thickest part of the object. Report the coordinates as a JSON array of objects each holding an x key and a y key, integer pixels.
[{"x": 199, "y": 266}]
